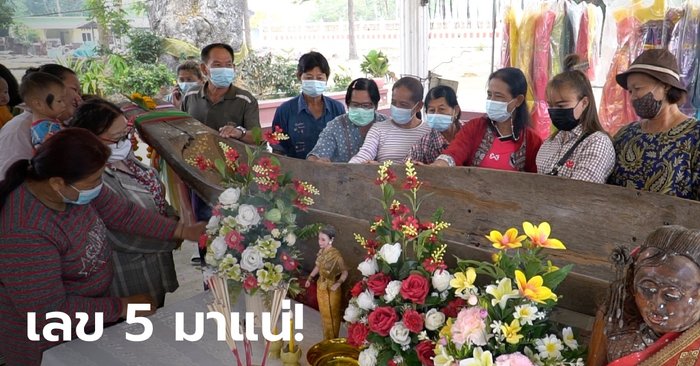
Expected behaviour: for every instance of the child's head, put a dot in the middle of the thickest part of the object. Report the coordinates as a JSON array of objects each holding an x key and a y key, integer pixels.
[
  {"x": 4, "y": 93},
  {"x": 188, "y": 75},
  {"x": 43, "y": 93}
]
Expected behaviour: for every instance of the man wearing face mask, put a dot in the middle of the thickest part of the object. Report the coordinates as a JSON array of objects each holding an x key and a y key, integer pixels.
[
  {"x": 15, "y": 136},
  {"x": 218, "y": 103},
  {"x": 658, "y": 153},
  {"x": 343, "y": 136},
  {"x": 304, "y": 117},
  {"x": 580, "y": 148}
]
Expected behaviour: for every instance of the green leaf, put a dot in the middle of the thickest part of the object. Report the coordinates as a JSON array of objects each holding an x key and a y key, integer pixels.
[
  {"x": 553, "y": 279},
  {"x": 384, "y": 356},
  {"x": 221, "y": 167},
  {"x": 406, "y": 268}
]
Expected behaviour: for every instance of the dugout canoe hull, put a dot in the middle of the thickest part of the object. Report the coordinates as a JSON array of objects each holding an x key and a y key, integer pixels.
[{"x": 591, "y": 219}]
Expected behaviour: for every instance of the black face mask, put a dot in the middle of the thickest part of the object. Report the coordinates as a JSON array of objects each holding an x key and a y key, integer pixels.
[{"x": 563, "y": 118}]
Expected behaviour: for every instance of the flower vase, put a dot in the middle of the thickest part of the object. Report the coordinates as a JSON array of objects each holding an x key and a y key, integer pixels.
[{"x": 255, "y": 304}]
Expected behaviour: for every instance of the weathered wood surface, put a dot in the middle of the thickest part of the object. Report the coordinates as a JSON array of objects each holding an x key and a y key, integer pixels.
[{"x": 591, "y": 219}]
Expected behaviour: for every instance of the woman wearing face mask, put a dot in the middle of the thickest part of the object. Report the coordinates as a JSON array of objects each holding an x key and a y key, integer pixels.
[
  {"x": 442, "y": 115},
  {"x": 141, "y": 264},
  {"x": 54, "y": 254},
  {"x": 392, "y": 140},
  {"x": 304, "y": 117},
  {"x": 189, "y": 75},
  {"x": 343, "y": 136},
  {"x": 502, "y": 139},
  {"x": 659, "y": 153},
  {"x": 579, "y": 149}
]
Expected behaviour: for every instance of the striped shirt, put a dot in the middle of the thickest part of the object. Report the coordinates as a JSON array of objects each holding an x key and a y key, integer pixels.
[
  {"x": 592, "y": 161},
  {"x": 60, "y": 261},
  {"x": 386, "y": 141}
]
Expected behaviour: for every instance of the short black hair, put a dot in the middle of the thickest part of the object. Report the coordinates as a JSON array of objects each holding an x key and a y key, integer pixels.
[
  {"x": 308, "y": 61},
  {"x": 36, "y": 84},
  {"x": 441, "y": 91},
  {"x": 12, "y": 86},
  {"x": 328, "y": 230},
  {"x": 675, "y": 95},
  {"x": 364, "y": 84},
  {"x": 191, "y": 66},
  {"x": 56, "y": 70},
  {"x": 412, "y": 84},
  {"x": 207, "y": 50},
  {"x": 96, "y": 115}
]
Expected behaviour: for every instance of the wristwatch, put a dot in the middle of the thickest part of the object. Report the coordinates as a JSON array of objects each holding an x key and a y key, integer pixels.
[{"x": 243, "y": 131}]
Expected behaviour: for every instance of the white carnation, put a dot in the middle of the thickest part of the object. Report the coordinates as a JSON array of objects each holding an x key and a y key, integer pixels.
[
  {"x": 368, "y": 267},
  {"x": 291, "y": 239},
  {"x": 441, "y": 280},
  {"x": 392, "y": 290}
]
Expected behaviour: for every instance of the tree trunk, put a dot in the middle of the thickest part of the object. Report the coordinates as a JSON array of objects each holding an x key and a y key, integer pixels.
[
  {"x": 246, "y": 25},
  {"x": 352, "y": 52}
]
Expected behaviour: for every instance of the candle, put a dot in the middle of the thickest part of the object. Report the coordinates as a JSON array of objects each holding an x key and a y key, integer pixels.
[{"x": 291, "y": 335}]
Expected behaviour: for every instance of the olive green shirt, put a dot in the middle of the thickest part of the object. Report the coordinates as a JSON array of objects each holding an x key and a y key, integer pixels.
[{"x": 237, "y": 108}]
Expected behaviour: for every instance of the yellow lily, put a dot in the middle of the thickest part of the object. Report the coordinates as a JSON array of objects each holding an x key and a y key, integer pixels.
[
  {"x": 446, "y": 331},
  {"x": 512, "y": 332},
  {"x": 539, "y": 236},
  {"x": 509, "y": 240},
  {"x": 463, "y": 281},
  {"x": 502, "y": 292},
  {"x": 533, "y": 288}
]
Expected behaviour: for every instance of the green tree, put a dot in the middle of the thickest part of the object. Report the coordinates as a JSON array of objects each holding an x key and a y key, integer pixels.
[
  {"x": 145, "y": 47},
  {"x": 49, "y": 7},
  {"x": 7, "y": 10},
  {"x": 111, "y": 20}
]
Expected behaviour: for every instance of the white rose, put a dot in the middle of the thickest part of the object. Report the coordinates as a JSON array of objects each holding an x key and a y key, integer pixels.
[
  {"x": 400, "y": 334},
  {"x": 290, "y": 239},
  {"x": 251, "y": 259},
  {"x": 352, "y": 313},
  {"x": 392, "y": 290},
  {"x": 441, "y": 280},
  {"x": 230, "y": 197},
  {"x": 213, "y": 224},
  {"x": 390, "y": 253},
  {"x": 219, "y": 247},
  {"x": 366, "y": 300},
  {"x": 368, "y": 267},
  {"x": 368, "y": 357},
  {"x": 248, "y": 215},
  {"x": 434, "y": 319}
]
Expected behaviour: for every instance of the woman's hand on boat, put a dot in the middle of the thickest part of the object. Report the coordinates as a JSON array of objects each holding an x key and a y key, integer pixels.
[{"x": 138, "y": 299}]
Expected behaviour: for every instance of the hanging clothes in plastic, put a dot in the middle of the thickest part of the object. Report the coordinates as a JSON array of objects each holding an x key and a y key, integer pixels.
[
  {"x": 541, "y": 70},
  {"x": 684, "y": 44}
]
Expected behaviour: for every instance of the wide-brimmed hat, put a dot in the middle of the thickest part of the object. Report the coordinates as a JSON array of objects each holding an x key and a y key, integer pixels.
[{"x": 657, "y": 63}]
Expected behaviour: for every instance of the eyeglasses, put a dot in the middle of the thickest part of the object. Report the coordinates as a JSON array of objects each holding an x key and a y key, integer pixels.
[
  {"x": 127, "y": 136},
  {"x": 361, "y": 105}
]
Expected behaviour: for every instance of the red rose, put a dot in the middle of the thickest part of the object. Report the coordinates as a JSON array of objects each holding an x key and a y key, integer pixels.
[
  {"x": 357, "y": 334},
  {"x": 382, "y": 319},
  {"x": 357, "y": 289},
  {"x": 453, "y": 308},
  {"x": 377, "y": 283},
  {"x": 413, "y": 321},
  {"x": 203, "y": 239},
  {"x": 425, "y": 350},
  {"x": 250, "y": 283},
  {"x": 391, "y": 363},
  {"x": 415, "y": 288}
]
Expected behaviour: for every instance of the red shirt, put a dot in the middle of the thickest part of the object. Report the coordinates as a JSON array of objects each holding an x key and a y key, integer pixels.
[{"x": 498, "y": 156}]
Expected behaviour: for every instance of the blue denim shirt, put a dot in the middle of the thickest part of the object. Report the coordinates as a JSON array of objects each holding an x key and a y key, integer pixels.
[{"x": 295, "y": 119}]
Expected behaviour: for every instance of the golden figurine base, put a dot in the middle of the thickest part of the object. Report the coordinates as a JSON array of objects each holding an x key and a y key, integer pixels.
[{"x": 332, "y": 352}]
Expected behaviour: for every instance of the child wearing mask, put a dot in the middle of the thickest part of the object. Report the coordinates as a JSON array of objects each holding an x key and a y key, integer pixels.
[
  {"x": 188, "y": 76},
  {"x": 43, "y": 93}
]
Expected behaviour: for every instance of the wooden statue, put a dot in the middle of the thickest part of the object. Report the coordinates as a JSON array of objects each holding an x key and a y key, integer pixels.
[
  {"x": 332, "y": 272},
  {"x": 653, "y": 312}
]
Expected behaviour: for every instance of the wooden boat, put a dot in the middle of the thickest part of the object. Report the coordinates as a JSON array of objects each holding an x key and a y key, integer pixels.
[{"x": 591, "y": 219}]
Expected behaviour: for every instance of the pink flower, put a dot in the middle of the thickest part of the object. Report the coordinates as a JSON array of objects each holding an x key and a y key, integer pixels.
[
  {"x": 250, "y": 283},
  {"x": 269, "y": 225},
  {"x": 513, "y": 359},
  {"x": 216, "y": 211},
  {"x": 470, "y": 327},
  {"x": 234, "y": 241}
]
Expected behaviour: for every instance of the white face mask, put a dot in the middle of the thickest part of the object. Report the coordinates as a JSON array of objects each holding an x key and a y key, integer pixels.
[
  {"x": 120, "y": 151},
  {"x": 497, "y": 111}
]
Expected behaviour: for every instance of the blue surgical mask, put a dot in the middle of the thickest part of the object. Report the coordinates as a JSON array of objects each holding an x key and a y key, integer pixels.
[
  {"x": 497, "y": 111},
  {"x": 313, "y": 88},
  {"x": 360, "y": 116},
  {"x": 440, "y": 122},
  {"x": 401, "y": 116},
  {"x": 221, "y": 77},
  {"x": 84, "y": 197},
  {"x": 186, "y": 85}
]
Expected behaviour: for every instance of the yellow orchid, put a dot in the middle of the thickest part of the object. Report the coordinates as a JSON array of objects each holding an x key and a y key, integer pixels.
[
  {"x": 533, "y": 288},
  {"x": 463, "y": 281},
  {"x": 502, "y": 293},
  {"x": 539, "y": 236},
  {"x": 496, "y": 257},
  {"x": 446, "y": 331},
  {"x": 512, "y": 332},
  {"x": 509, "y": 240},
  {"x": 551, "y": 268},
  {"x": 479, "y": 358}
]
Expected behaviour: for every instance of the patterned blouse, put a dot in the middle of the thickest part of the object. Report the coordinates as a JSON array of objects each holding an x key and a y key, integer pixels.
[
  {"x": 428, "y": 148},
  {"x": 592, "y": 160},
  {"x": 341, "y": 139},
  {"x": 665, "y": 162}
]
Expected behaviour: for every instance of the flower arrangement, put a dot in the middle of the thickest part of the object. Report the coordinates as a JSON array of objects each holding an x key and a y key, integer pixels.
[
  {"x": 505, "y": 322},
  {"x": 394, "y": 309},
  {"x": 252, "y": 234},
  {"x": 143, "y": 101}
]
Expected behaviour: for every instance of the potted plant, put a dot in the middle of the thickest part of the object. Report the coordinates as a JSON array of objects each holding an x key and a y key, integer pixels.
[{"x": 376, "y": 65}]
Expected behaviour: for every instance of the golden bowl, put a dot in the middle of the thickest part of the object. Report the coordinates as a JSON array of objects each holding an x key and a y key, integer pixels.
[{"x": 333, "y": 352}]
